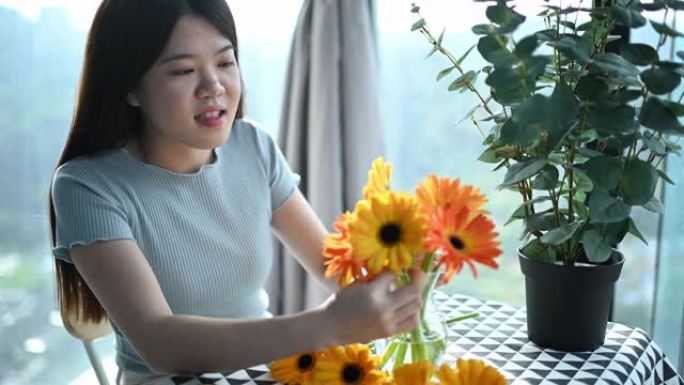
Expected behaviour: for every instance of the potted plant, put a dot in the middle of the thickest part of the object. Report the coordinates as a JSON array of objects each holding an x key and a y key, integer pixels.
[{"x": 583, "y": 133}]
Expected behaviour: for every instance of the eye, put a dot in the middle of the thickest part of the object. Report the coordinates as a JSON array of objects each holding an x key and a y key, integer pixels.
[
  {"x": 226, "y": 64},
  {"x": 183, "y": 71}
]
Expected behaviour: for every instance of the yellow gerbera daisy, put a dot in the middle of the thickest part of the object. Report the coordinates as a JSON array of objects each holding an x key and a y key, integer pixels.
[
  {"x": 435, "y": 192},
  {"x": 297, "y": 369},
  {"x": 341, "y": 261},
  {"x": 418, "y": 373},
  {"x": 379, "y": 177},
  {"x": 468, "y": 372},
  {"x": 387, "y": 231},
  {"x": 349, "y": 365}
]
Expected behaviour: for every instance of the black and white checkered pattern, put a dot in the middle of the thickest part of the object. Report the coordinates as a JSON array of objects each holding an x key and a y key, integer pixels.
[{"x": 499, "y": 336}]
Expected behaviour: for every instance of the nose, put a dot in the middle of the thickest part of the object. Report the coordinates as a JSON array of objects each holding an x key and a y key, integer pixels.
[{"x": 210, "y": 87}]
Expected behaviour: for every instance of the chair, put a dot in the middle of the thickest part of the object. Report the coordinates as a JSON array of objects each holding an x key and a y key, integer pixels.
[{"x": 87, "y": 332}]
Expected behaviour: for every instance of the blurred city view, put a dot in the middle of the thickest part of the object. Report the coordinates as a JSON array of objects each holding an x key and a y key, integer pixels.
[{"x": 40, "y": 59}]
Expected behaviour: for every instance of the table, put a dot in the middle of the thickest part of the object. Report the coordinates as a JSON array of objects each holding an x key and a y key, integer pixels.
[{"x": 499, "y": 335}]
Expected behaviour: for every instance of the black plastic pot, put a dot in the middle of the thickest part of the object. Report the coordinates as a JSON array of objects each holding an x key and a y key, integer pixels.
[{"x": 568, "y": 306}]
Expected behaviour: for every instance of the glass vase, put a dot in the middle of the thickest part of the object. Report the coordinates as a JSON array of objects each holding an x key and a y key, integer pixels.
[{"x": 427, "y": 342}]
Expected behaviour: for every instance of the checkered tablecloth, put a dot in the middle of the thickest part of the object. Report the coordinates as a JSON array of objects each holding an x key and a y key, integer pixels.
[{"x": 499, "y": 336}]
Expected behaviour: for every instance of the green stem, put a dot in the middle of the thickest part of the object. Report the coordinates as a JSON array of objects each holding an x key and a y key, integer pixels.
[
  {"x": 427, "y": 262},
  {"x": 401, "y": 353},
  {"x": 462, "y": 318},
  {"x": 388, "y": 353},
  {"x": 418, "y": 351}
]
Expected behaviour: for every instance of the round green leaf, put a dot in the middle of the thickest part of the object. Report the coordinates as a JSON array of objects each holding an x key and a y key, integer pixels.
[
  {"x": 654, "y": 205},
  {"x": 604, "y": 208},
  {"x": 639, "y": 182},
  {"x": 615, "y": 64},
  {"x": 484, "y": 29},
  {"x": 537, "y": 251},
  {"x": 664, "y": 29},
  {"x": 506, "y": 85},
  {"x": 541, "y": 222},
  {"x": 658, "y": 116},
  {"x": 639, "y": 54},
  {"x": 514, "y": 134},
  {"x": 604, "y": 171},
  {"x": 523, "y": 170},
  {"x": 463, "y": 81},
  {"x": 561, "y": 234},
  {"x": 526, "y": 46},
  {"x": 581, "y": 181},
  {"x": 659, "y": 80},
  {"x": 494, "y": 51},
  {"x": 418, "y": 25},
  {"x": 574, "y": 47},
  {"x": 595, "y": 246},
  {"x": 590, "y": 87},
  {"x": 612, "y": 120},
  {"x": 626, "y": 96},
  {"x": 614, "y": 233},
  {"x": 499, "y": 14},
  {"x": 547, "y": 179},
  {"x": 629, "y": 17},
  {"x": 654, "y": 144},
  {"x": 634, "y": 230},
  {"x": 676, "y": 108}
]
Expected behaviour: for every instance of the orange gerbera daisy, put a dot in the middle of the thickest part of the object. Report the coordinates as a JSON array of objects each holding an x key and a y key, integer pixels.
[
  {"x": 337, "y": 248},
  {"x": 418, "y": 373},
  {"x": 379, "y": 177},
  {"x": 435, "y": 192},
  {"x": 459, "y": 237},
  {"x": 349, "y": 365},
  {"x": 297, "y": 369},
  {"x": 468, "y": 372}
]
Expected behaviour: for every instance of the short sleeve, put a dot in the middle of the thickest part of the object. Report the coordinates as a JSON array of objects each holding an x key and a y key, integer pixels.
[
  {"x": 282, "y": 181},
  {"x": 85, "y": 213}
]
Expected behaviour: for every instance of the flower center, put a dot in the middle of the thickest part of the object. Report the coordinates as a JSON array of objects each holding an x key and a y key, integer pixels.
[
  {"x": 390, "y": 234},
  {"x": 352, "y": 373},
  {"x": 456, "y": 242},
  {"x": 305, "y": 362}
]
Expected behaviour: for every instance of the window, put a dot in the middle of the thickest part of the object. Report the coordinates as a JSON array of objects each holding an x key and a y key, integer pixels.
[
  {"x": 425, "y": 133},
  {"x": 43, "y": 43},
  {"x": 425, "y": 127}
]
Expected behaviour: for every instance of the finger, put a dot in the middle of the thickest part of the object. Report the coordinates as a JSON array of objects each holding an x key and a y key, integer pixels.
[
  {"x": 384, "y": 280},
  {"x": 405, "y": 294},
  {"x": 417, "y": 275},
  {"x": 413, "y": 307},
  {"x": 409, "y": 323}
]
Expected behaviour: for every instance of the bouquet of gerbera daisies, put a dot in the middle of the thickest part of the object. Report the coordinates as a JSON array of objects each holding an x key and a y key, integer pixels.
[{"x": 441, "y": 227}]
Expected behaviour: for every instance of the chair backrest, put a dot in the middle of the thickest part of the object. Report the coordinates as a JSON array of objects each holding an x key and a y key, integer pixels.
[{"x": 87, "y": 332}]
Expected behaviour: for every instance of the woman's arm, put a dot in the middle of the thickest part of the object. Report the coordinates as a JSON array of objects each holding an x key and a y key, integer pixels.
[
  {"x": 122, "y": 280},
  {"x": 298, "y": 227}
]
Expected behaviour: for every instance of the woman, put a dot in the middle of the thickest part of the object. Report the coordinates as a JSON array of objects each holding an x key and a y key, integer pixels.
[{"x": 164, "y": 198}]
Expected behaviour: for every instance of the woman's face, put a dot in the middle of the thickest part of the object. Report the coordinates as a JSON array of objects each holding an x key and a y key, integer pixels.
[{"x": 190, "y": 94}]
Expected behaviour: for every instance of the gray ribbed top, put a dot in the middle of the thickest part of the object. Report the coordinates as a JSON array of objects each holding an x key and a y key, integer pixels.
[{"x": 206, "y": 235}]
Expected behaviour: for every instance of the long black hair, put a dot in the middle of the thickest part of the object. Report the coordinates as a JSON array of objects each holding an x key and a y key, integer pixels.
[{"x": 125, "y": 39}]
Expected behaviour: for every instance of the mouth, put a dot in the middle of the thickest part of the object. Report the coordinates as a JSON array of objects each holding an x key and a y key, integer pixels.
[{"x": 208, "y": 116}]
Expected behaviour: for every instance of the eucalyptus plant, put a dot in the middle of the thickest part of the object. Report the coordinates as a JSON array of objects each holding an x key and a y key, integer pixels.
[{"x": 583, "y": 132}]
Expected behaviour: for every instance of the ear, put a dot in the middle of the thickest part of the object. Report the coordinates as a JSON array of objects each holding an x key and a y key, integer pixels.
[{"x": 132, "y": 99}]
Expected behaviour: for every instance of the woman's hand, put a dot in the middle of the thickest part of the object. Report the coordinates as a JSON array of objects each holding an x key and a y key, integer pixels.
[{"x": 364, "y": 312}]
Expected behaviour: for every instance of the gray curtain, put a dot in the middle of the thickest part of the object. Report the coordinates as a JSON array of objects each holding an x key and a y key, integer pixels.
[{"x": 330, "y": 129}]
